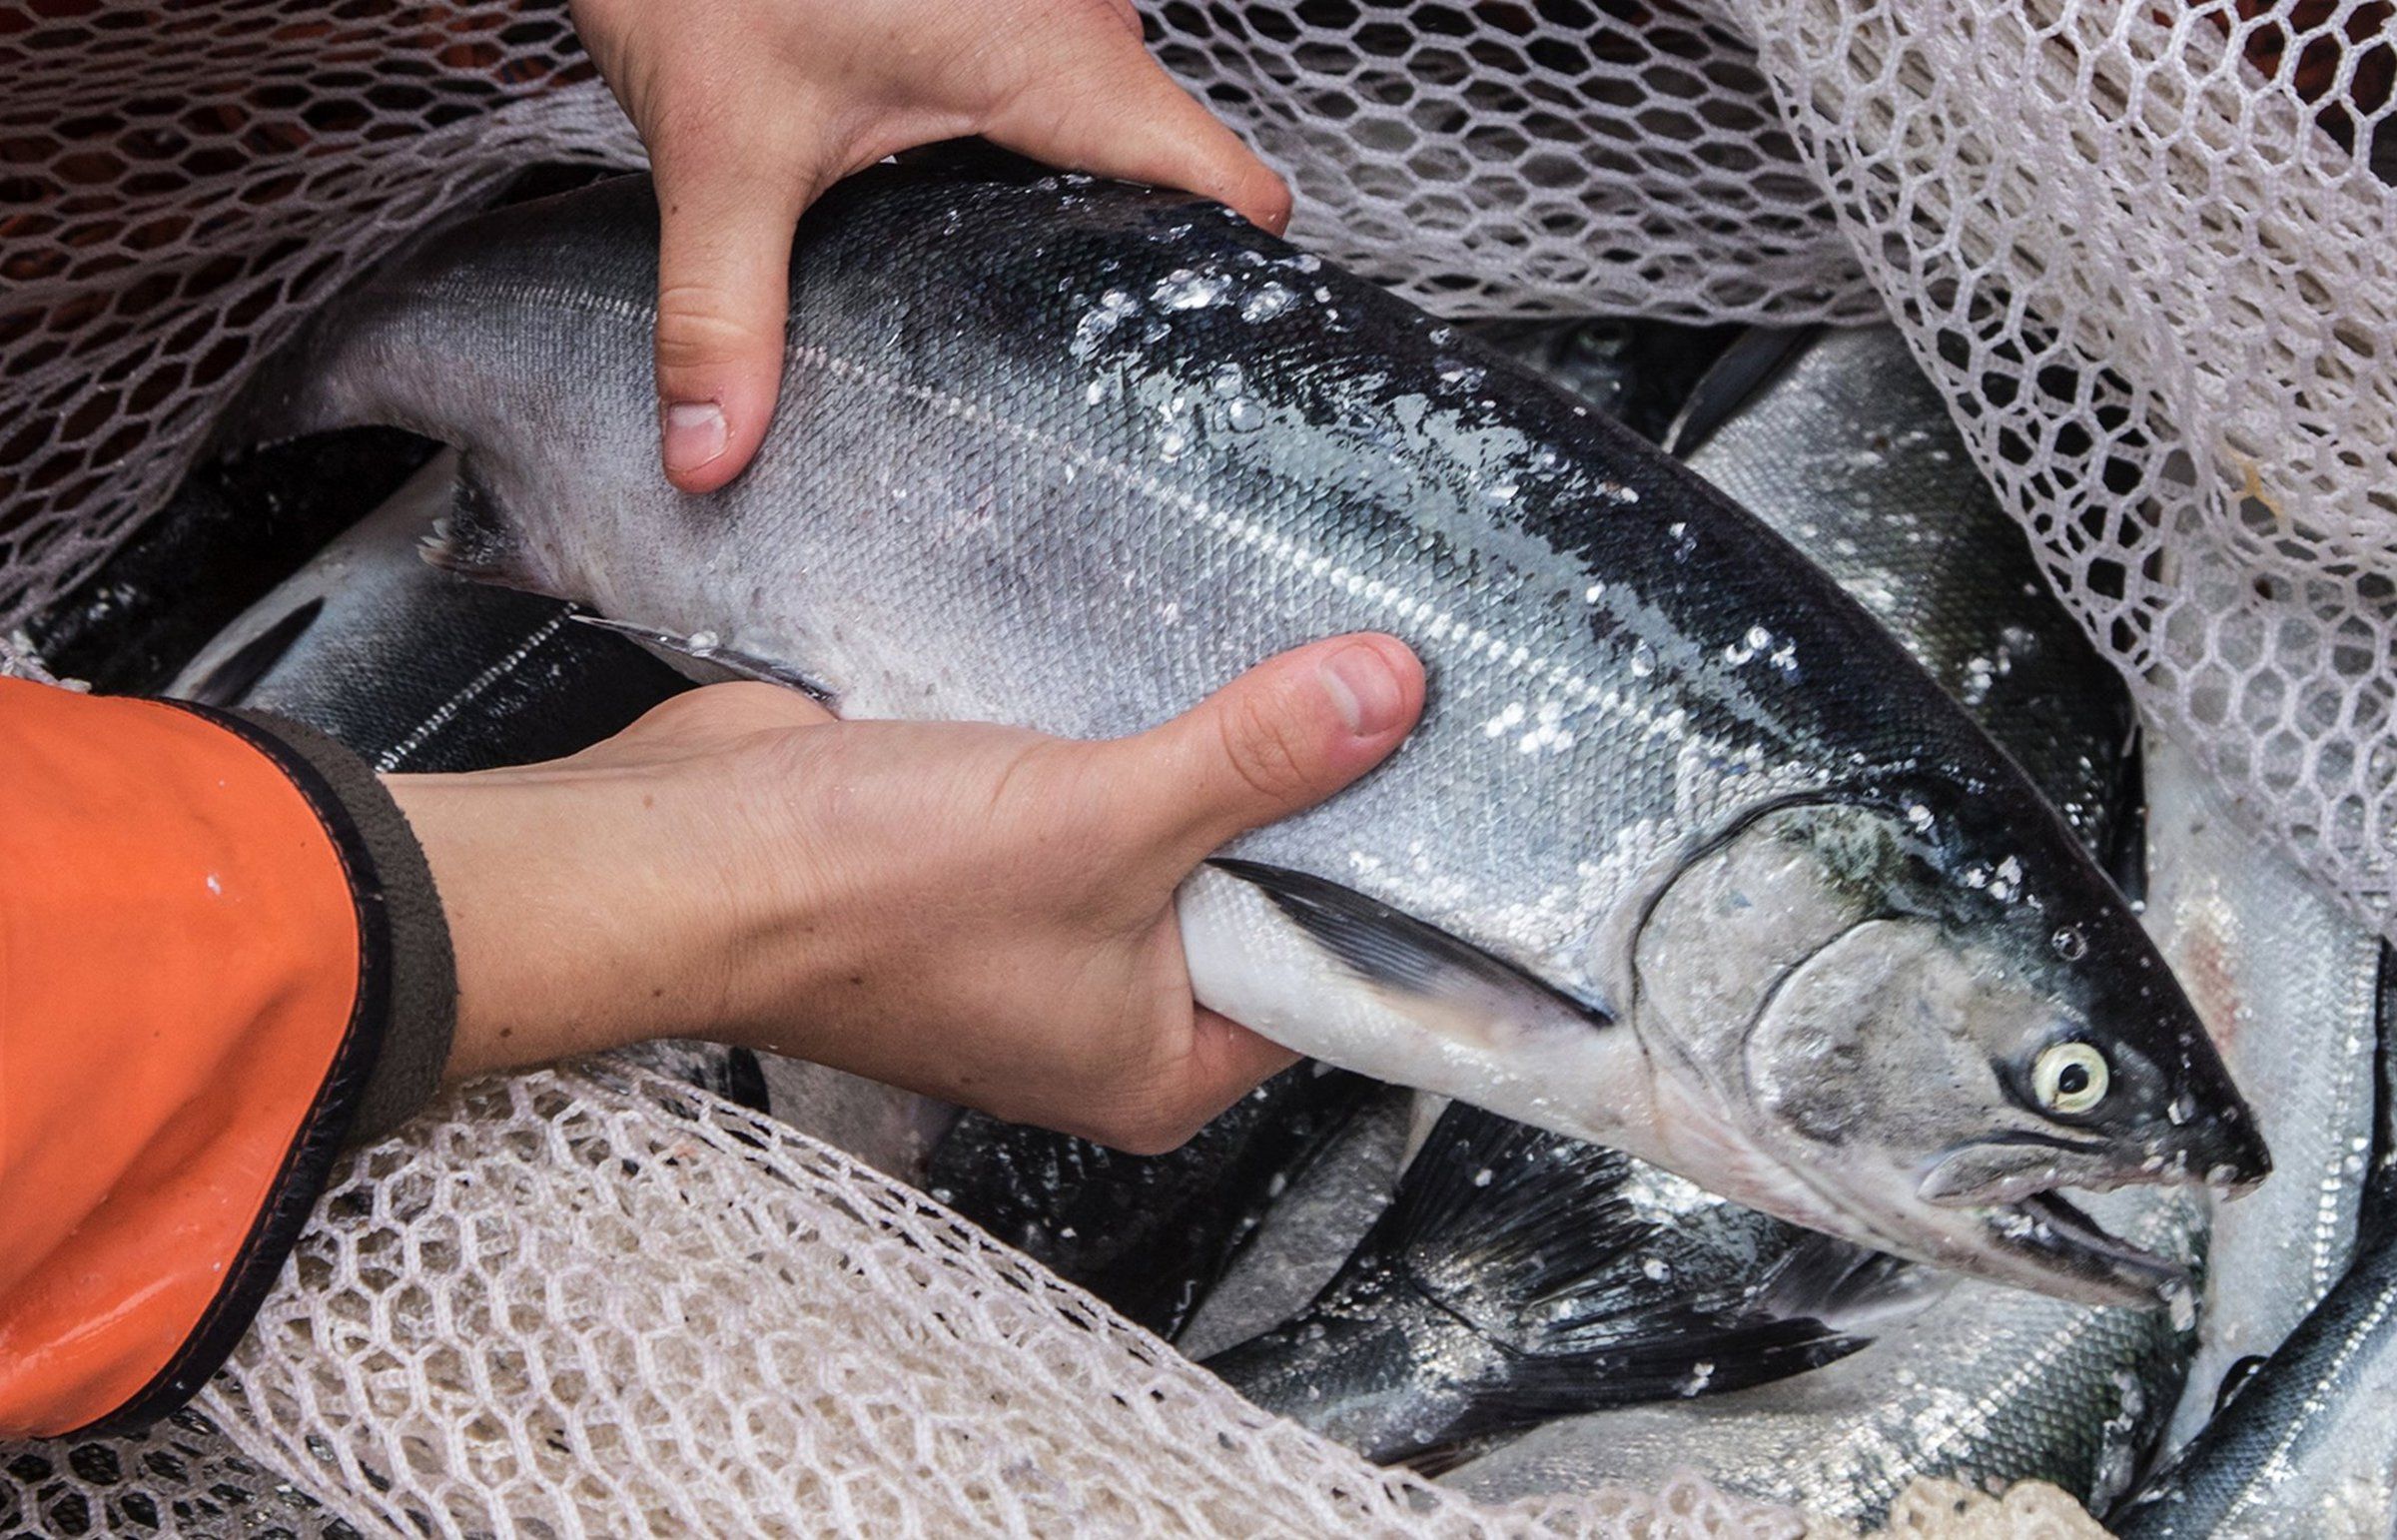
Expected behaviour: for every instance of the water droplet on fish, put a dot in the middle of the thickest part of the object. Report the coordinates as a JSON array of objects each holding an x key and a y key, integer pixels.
[
  {"x": 1227, "y": 382},
  {"x": 1656, "y": 1269},
  {"x": 704, "y": 641},
  {"x": 1268, "y": 303},
  {"x": 1174, "y": 442},
  {"x": 1114, "y": 306},
  {"x": 1481, "y": 1179},
  {"x": 1643, "y": 661},
  {"x": 1245, "y": 415},
  {"x": 1184, "y": 290},
  {"x": 2071, "y": 946}
]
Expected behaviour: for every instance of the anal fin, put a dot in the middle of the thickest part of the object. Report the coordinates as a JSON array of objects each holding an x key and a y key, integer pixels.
[{"x": 704, "y": 649}]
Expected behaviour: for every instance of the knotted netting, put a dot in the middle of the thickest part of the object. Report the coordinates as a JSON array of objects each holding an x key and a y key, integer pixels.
[{"x": 2141, "y": 248}]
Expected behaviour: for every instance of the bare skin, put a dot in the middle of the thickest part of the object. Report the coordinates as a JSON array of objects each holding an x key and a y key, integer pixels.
[
  {"x": 977, "y": 913},
  {"x": 752, "y": 108}
]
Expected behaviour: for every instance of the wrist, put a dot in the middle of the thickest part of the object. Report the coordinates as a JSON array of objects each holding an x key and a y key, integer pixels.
[{"x": 564, "y": 945}]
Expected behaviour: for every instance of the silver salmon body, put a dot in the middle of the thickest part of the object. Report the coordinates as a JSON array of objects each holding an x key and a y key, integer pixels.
[{"x": 1687, "y": 856}]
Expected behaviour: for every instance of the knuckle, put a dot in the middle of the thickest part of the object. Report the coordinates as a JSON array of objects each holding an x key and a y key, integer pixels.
[
  {"x": 1264, "y": 753},
  {"x": 698, "y": 327},
  {"x": 1275, "y": 202}
]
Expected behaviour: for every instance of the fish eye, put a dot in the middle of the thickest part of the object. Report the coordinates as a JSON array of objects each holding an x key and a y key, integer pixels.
[{"x": 2070, "y": 1078}]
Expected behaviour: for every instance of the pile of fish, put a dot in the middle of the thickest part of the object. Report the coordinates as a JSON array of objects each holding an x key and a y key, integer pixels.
[{"x": 1710, "y": 1006}]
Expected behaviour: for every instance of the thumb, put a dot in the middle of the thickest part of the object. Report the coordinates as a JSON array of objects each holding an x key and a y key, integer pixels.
[
  {"x": 1279, "y": 738},
  {"x": 723, "y": 287},
  {"x": 1117, "y": 112}
]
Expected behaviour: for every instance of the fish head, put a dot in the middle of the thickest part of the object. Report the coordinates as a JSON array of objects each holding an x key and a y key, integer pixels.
[{"x": 1926, "y": 1021}]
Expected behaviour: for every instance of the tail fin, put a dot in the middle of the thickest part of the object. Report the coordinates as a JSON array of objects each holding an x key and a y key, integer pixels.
[{"x": 1590, "y": 1280}]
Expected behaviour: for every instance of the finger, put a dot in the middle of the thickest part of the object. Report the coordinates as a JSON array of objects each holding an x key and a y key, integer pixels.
[
  {"x": 1121, "y": 115},
  {"x": 1281, "y": 737},
  {"x": 723, "y": 287}
]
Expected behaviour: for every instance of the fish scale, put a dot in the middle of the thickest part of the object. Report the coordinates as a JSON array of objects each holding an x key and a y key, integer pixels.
[{"x": 1002, "y": 486}]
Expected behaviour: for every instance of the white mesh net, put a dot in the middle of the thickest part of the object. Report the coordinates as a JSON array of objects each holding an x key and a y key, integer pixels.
[
  {"x": 600, "y": 1302},
  {"x": 2140, "y": 247}
]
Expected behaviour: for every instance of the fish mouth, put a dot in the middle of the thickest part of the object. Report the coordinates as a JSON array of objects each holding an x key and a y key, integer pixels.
[
  {"x": 2007, "y": 1189},
  {"x": 2056, "y": 1240}
]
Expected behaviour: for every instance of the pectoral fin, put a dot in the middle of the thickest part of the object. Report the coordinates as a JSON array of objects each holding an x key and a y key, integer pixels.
[
  {"x": 1401, "y": 956},
  {"x": 1327, "y": 971}
]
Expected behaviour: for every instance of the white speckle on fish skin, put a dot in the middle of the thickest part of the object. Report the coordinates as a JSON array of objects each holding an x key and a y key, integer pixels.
[
  {"x": 1702, "y": 1374},
  {"x": 1506, "y": 720},
  {"x": 1481, "y": 1179},
  {"x": 1593, "y": 593},
  {"x": 215, "y": 885},
  {"x": 1655, "y": 1269}
]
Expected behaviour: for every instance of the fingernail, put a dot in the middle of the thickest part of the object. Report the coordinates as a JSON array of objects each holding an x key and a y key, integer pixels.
[
  {"x": 694, "y": 434},
  {"x": 1365, "y": 690}
]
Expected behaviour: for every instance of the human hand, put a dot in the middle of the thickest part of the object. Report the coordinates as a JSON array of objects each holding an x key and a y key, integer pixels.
[
  {"x": 980, "y": 914},
  {"x": 752, "y": 108}
]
